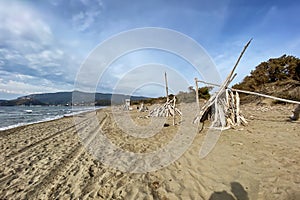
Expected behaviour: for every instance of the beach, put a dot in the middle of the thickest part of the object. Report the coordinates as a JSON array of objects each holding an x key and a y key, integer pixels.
[{"x": 53, "y": 160}]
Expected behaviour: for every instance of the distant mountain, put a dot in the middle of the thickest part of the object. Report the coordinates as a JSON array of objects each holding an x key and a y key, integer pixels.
[
  {"x": 18, "y": 102},
  {"x": 70, "y": 98}
]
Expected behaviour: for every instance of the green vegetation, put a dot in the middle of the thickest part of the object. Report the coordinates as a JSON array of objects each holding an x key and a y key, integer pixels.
[
  {"x": 278, "y": 77},
  {"x": 149, "y": 101},
  {"x": 204, "y": 92},
  {"x": 190, "y": 96}
]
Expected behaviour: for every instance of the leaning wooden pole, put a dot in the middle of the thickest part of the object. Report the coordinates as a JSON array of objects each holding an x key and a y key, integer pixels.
[
  {"x": 197, "y": 94},
  {"x": 267, "y": 96},
  {"x": 231, "y": 74},
  {"x": 167, "y": 89},
  {"x": 174, "y": 107}
]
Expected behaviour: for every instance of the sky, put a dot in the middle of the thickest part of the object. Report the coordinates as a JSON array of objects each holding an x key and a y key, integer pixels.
[{"x": 44, "y": 45}]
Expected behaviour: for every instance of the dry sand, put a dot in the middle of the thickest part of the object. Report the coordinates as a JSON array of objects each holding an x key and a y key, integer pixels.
[{"x": 259, "y": 161}]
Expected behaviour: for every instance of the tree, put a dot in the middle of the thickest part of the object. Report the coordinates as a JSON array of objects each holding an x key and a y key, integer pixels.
[
  {"x": 271, "y": 71},
  {"x": 203, "y": 92},
  {"x": 191, "y": 89}
]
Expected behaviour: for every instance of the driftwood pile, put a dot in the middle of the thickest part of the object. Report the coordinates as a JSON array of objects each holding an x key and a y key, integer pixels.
[
  {"x": 232, "y": 106},
  {"x": 127, "y": 105},
  {"x": 143, "y": 108},
  {"x": 224, "y": 111},
  {"x": 223, "y": 105},
  {"x": 167, "y": 110}
]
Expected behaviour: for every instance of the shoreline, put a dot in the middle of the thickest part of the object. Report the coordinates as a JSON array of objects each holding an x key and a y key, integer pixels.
[{"x": 21, "y": 124}]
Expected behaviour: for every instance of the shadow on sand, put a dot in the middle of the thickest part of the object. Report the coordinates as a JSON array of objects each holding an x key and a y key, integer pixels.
[{"x": 237, "y": 190}]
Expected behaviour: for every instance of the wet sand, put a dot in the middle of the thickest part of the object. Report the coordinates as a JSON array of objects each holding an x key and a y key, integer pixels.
[{"x": 49, "y": 161}]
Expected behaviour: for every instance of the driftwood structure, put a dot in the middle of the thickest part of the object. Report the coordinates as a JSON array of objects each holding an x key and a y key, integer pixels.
[
  {"x": 223, "y": 105},
  {"x": 168, "y": 109},
  {"x": 127, "y": 104},
  {"x": 296, "y": 112},
  {"x": 142, "y": 108}
]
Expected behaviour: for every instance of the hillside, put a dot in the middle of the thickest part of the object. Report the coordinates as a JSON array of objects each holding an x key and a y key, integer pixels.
[
  {"x": 18, "y": 102},
  {"x": 63, "y": 98},
  {"x": 278, "y": 77}
]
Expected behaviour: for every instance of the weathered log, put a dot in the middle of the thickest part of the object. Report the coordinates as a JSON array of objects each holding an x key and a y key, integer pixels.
[
  {"x": 174, "y": 107},
  {"x": 232, "y": 106},
  {"x": 267, "y": 96},
  {"x": 237, "y": 111},
  {"x": 167, "y": 89},
  {"x": 178, "y": 111},
  {"x": 197, "y": 94}
]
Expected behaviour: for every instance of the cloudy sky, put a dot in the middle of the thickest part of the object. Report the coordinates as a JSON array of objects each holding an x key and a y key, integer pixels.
[{"x": 44, "y": 44}]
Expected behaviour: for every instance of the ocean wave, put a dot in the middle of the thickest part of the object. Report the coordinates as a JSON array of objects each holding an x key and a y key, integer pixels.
[
  {"x": 68, "y": 113},
  {"x": 28, "y": 123}
]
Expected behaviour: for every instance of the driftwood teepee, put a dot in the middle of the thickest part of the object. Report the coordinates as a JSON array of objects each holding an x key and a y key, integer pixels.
[
  {"x": 224, "y": 104},
  {"x": 142, "y": 108},
  {"x": 168, "y": 109},
  {"x": 127, "y": 105}
]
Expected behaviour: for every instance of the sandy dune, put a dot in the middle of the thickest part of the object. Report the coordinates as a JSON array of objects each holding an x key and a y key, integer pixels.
[{"x": 49, "y": 161}]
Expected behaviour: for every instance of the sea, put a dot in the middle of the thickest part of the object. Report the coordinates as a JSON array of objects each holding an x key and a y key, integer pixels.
[{"x": 14, "y": 116}]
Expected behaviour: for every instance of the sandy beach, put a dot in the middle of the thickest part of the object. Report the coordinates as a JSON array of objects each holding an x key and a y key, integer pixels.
[{"x": 49, "y": 160}]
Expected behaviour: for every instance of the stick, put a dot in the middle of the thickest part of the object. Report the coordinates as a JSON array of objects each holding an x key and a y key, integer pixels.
[
  {"x": 167, "y": 92},
  {"x": 233, "y": 77},
  {"x": 267, "y": 96},
  {"x": 212, "y": 84},
  {"x": 238, "y": 118},
  {"x": 232, "y": 102},
  {"x": 197, "y": 95},
  {"x": 174, "y": 104},
  {"x": 229, "y": 77},
  {"x": 227, "y": 98}
]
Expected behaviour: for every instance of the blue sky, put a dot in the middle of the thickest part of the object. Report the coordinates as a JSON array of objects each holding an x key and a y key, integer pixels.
[{"x": 44, "y": 43}]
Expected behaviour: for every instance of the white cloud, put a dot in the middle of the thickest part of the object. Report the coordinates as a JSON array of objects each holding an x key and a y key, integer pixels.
[
  {"x": 13, "y": 56},
  {"x": 88, "y": 15},
  {"x": 26, "y": 84},
  {"x": 23, "y": 32},
  {"x": 16, "y": 87},
  {"x": 45, "y": 58},
  {"x": 29, "y": 47},
  {"x": 26, "y": 24},
  {"x": 84, "y": 20}
]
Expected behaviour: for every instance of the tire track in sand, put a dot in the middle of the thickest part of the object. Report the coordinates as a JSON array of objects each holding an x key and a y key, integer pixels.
[
  {"x": 20, "y": 175},
  {"x": 28, "y": 165},
  {"x": 43, "y": 189},
  {"x": 26, "y": 148}
]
